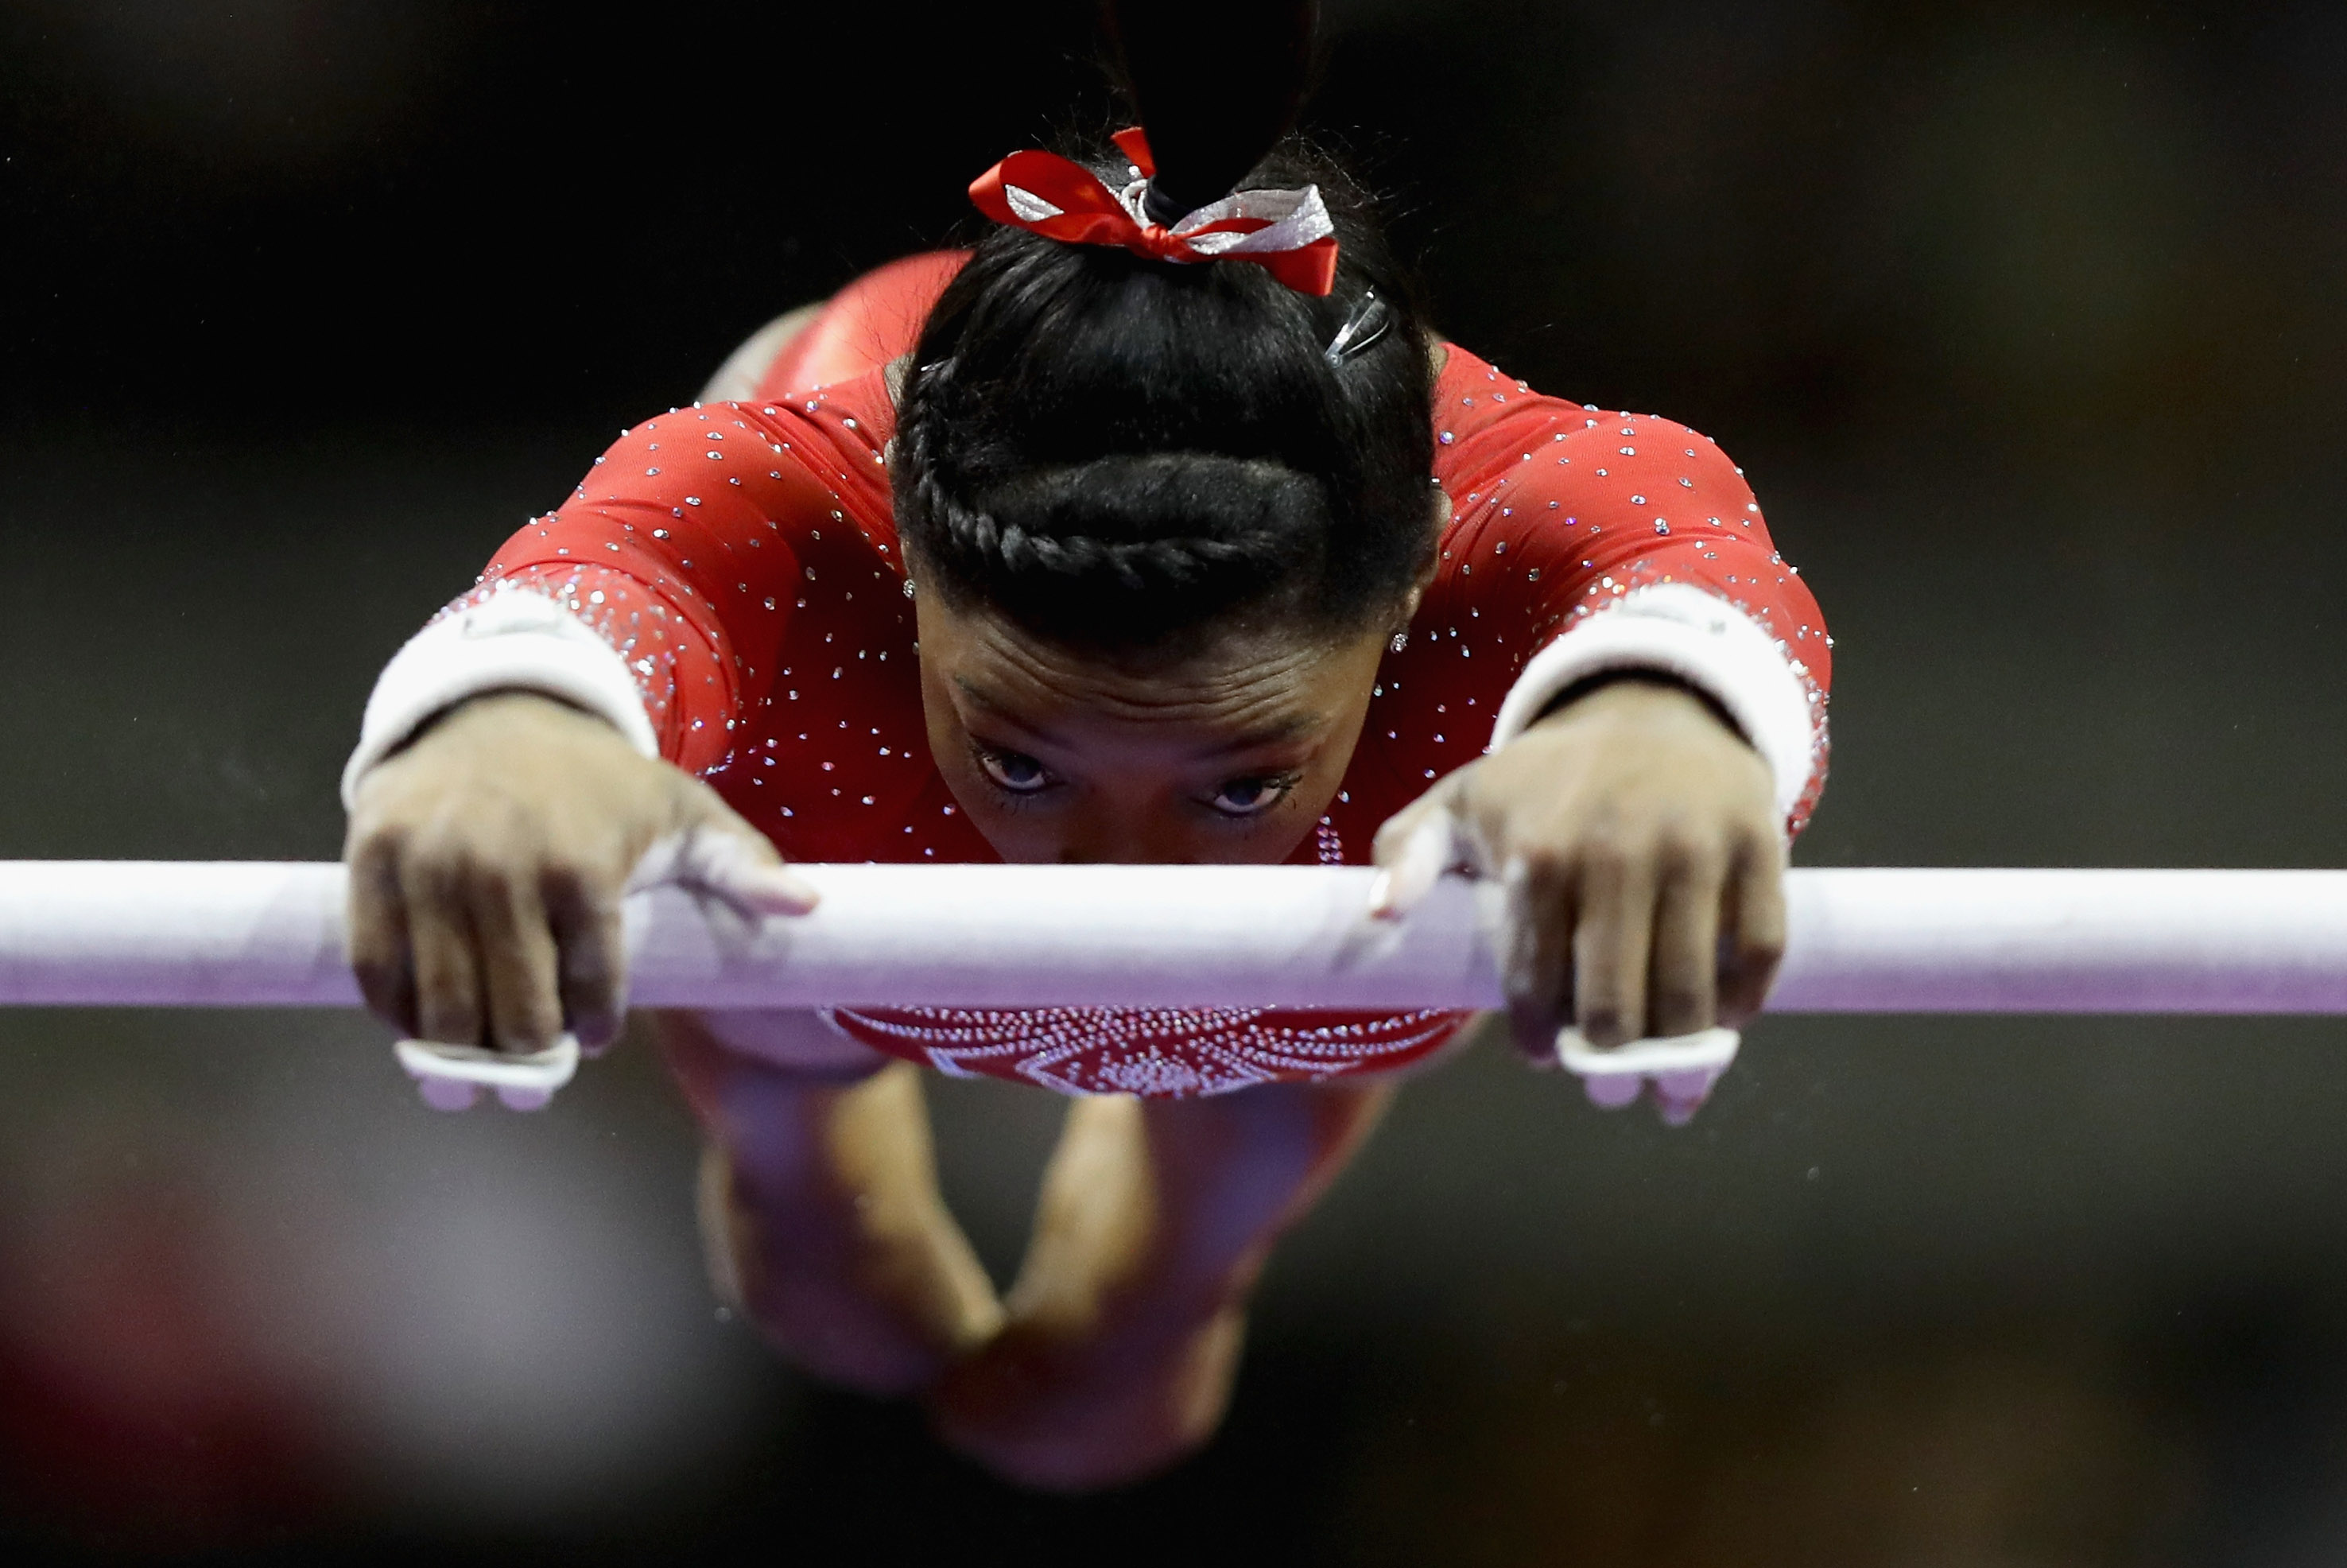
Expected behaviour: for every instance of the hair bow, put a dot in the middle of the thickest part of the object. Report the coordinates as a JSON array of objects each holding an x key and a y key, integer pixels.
[{"x": 1286, "y": 232}]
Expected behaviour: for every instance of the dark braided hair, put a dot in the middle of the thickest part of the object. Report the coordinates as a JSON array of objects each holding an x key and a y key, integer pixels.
[{"x": 1114, "y": 451}]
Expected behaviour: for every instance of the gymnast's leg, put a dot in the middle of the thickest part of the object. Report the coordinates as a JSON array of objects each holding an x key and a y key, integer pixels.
[
  {"x": 1125, "y": 1327},
  {"x": 744, "y": 370},
  {"x": 819, "y": 1200}
]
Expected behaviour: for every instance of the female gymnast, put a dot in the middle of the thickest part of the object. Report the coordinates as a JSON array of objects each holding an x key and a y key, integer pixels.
[{"x": 1156, "y": 527}]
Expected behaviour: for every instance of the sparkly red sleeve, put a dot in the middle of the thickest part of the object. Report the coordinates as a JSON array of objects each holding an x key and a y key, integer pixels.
[
  {"x": 674, "y": 548},
  {"x": 1564, "y": 510}
]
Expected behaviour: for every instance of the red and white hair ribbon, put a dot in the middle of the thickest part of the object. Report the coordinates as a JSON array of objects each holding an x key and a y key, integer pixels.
[{"x": 1286, "y": 232}]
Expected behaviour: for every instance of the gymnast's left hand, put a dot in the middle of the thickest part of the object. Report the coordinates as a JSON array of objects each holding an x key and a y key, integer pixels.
[{"x": 1634, "y": 834}]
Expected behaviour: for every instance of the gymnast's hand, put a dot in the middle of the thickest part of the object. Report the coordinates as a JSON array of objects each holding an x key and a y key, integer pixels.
[
  {"x": 488, "y": 858},
  {"x": 1631, "y": 830}
]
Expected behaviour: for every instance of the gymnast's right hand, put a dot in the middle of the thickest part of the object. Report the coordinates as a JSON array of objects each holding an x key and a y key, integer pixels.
[{"x": 488, "y": 858}]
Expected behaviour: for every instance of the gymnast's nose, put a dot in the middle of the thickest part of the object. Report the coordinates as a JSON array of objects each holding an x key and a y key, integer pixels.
[
  {"x": 1127, "y": 852},
  {"x": 1127, "y": 837}
]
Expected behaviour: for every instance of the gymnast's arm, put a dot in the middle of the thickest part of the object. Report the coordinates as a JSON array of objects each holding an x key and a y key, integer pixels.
[
  {"x": 1658, "y": 751},
  {"x": 526, "y": 751}
]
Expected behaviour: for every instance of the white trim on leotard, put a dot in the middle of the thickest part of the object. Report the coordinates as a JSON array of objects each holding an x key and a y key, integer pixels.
[
  {"x": 514, "y": 641},
  {"x": 1697, "y": 636}
]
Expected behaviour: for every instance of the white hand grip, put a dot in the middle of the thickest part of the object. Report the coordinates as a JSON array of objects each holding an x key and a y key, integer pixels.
[
  {"x": 1682, "y": 1067},
  {"x": 451, "y": 1077}
]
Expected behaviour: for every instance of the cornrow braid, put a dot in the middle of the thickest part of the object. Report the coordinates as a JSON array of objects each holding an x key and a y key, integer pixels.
[
  {"x": 1118, "y": 532},
  {"x": 1178, "y": 561}
]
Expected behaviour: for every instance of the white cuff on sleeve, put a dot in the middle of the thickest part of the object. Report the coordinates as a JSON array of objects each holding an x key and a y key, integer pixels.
[
  {"x": 1698, "y": 637},
  {"x": 512, "y": 642}
]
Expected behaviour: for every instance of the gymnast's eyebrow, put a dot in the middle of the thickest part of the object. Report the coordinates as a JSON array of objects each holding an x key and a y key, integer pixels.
[
  {"x": 1271, "y": 734},
  {"x": 1001, "y": 710}
]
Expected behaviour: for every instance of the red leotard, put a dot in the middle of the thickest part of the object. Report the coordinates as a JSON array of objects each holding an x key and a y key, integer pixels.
[{"x": 743, "y": 557}]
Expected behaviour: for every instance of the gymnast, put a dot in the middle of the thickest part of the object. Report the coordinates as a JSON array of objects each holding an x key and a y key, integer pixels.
[{"x": 1155, "y": 527}]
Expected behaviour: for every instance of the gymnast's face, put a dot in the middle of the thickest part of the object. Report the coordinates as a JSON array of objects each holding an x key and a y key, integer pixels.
[{"x": 1226, "y": 752}]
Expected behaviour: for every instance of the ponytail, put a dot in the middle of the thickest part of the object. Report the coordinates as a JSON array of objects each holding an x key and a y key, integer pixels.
[{"x": 1218, "y": 83}]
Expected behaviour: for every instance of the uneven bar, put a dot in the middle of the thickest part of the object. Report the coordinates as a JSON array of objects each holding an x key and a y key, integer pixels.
[{"x": 247, "y": 934}]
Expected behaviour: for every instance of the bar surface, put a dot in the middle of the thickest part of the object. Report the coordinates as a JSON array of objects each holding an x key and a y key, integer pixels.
[{"x": 255, "y": 934}]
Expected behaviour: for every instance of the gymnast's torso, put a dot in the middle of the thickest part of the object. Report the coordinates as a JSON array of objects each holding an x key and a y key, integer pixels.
[{"x": 743, "y": 559}]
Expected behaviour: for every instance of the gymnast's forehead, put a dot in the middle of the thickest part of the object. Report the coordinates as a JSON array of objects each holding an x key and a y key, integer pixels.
[{"x": 1265, "y": 682}]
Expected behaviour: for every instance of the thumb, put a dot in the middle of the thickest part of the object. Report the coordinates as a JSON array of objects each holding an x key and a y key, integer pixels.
[
  {"x": 1414, "y": 848},
  {"x": 713, "y": 850}
]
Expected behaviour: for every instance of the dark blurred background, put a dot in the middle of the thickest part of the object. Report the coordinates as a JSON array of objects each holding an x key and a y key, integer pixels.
[{"x": 2026, "y": 320}]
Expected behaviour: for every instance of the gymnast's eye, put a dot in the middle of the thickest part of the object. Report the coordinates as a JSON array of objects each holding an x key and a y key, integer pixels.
[
  {"x": 1014, "y": 771},
  {"x": 1247, "y": 796}
]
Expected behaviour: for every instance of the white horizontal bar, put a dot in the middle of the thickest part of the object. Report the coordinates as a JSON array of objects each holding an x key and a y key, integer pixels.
[{"x": 242, "y": 933}]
